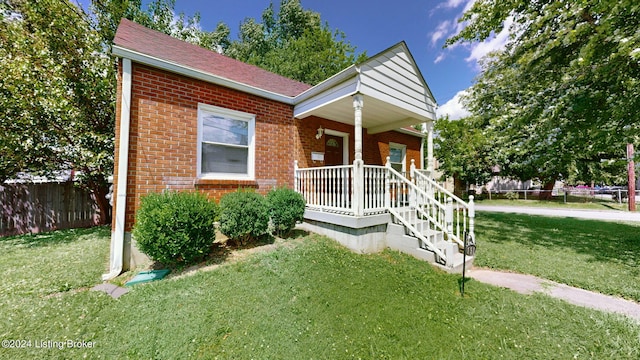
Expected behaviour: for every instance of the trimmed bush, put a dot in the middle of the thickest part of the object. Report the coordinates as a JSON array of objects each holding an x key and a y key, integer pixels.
[
  {"x": 244, "y": 216},
  {"x": 286, "y": 207},
  {"x": 175, "y": 228}
]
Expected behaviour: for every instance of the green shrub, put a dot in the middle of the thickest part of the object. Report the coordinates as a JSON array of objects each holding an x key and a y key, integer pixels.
[
  {"x": 175, "y": 228},
  {"x": 286, "y": 207},
  {"x": 244, "y": 216},
  {"x": 512, "y": 195}
]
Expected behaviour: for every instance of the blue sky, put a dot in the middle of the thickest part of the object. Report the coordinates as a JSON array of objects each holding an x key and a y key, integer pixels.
[{"x": 373, "y": 26}]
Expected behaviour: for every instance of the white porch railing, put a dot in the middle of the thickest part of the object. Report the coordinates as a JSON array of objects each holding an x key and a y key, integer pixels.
[
  {"x": 459, "y": 216},
  {"x": 334, "y": 188},
  {"x": 415, "y": 209},
  {"x": 424, "y": 207}
]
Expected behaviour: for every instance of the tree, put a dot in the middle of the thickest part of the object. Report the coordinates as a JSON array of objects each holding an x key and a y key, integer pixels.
[
  {"x": 293, "y": 43},
  {"x": 56, "y": 96},
  {"x": 159, "y": 15},
  {"x": 58, "y": 90},
  {"x": 463, "y": 152},
  {"x": 564, "y": 93}
]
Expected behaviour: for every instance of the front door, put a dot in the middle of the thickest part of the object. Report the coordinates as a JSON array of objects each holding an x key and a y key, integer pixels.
[{"x": 333, "y": 146}]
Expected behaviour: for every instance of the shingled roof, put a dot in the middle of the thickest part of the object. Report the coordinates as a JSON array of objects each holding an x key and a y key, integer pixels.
[{"x": 135, "y": 37}]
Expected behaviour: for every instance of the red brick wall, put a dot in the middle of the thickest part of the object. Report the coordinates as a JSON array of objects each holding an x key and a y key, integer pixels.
[
  {"x": 375, "y": 147},
  {"x": 163, "y": 136}
]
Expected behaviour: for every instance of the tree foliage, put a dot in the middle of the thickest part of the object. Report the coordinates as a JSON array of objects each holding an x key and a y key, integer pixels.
[
  {"x": 159, "y": 15},
  {"x": 56, "y": 95},
  {"x": 293, "y": 43},
  {"x": 562, "y": 98},
  {"x": 464, "y": 151}
]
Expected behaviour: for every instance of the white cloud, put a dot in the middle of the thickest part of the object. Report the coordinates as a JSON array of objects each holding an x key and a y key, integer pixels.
[
  {"x": 496, "y": 43},
  {"x": 453, "y": 107},
  {"x": 440, "y": 57},
  {"x": 442, "y": 30},
  {"x": 452, "y": 4}
]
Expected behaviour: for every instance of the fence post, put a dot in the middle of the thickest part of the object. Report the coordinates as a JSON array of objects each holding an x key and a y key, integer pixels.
[{"x": 525, "y": 194}]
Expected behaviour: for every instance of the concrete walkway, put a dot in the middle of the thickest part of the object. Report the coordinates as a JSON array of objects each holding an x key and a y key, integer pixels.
[
  {"x": 605, "y": 215},
  {"x": 528, "y": 284}
]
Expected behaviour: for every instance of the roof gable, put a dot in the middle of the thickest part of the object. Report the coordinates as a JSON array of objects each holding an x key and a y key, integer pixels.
[
  {"x": 394, "y": 73},
  {"x": 137, "y": 38}
]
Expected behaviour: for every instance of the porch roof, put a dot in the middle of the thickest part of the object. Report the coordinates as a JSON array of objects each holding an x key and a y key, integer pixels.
[{"x": 394, "y": 91}]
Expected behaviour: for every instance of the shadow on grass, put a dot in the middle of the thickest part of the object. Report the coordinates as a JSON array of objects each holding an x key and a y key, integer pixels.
[
  {"x": 222, "y": 251},
  {"x": 603, "y": 241},
  {"x": 54, "y": 237}
]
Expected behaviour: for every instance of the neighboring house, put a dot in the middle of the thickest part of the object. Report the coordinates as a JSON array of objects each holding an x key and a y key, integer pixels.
[{"x": 192, "y": 119}]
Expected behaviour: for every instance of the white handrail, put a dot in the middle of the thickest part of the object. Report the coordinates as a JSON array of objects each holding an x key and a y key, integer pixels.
[
  {"x": 465, "y": 219},
  {"x": 401, "y": 191}
]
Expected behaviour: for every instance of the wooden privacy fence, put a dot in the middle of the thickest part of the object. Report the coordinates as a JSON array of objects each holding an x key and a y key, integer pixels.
[{"x": 37, "y": 207}]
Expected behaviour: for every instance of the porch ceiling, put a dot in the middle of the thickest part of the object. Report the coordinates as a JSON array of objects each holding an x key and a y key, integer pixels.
[{"x": 377, "y": 115}]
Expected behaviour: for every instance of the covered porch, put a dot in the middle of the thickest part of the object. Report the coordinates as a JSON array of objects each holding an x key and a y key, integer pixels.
[
  {"x": 381, "y": 193},
  {"x": 375, "y": 102}
]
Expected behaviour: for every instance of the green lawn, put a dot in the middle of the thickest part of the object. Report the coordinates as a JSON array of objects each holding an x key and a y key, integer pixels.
[
  {"x": 311, "y": 299},
  {"x": 574, "y": 202},
  {"x": 593, "y": 255}
]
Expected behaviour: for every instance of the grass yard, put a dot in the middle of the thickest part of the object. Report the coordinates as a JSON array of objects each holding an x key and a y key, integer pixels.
[
  {"x": 310, "y": 299},
  {"x": 594, "y": 255},
  {"x": 574, "y": 202}
]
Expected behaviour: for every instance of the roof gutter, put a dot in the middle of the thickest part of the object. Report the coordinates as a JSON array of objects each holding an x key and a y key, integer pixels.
[
  {"x": 117, "y": 236},
  {"x": 336, "y": 79}
]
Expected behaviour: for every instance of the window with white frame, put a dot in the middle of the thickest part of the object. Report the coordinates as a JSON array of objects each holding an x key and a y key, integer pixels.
[
  {"x": 225, "y": 143},
  {"x": 397, "y": 154}
]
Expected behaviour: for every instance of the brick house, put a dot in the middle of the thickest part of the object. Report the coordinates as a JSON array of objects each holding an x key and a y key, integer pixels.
[{"x": 191, "y": 119}]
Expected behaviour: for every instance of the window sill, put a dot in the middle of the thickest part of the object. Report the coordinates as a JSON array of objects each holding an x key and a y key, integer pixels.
[{"x": 225, "y": 183}]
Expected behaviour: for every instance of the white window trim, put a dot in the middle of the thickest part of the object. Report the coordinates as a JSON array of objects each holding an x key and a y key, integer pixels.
[
  {"x": 236, "y": 115},
  {"x": 402, "y": 147},
  {"x": 345, "y": 143}
]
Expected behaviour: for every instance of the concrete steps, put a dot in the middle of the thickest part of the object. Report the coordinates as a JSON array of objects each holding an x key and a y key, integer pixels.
[{"x": 400, "y": 239}]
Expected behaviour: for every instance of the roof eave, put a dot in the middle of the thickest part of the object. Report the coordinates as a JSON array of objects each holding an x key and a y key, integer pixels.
[
  {"x": 409, "y": 132},
  {"x": 198, "y": 74},
  {"x": 336, "y": 79}
]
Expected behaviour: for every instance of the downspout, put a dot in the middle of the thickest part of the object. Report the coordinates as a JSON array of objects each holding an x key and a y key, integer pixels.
[{"x": 117, "y": 236}]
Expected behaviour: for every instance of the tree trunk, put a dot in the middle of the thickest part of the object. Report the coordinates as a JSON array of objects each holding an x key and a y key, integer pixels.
[
  {"x": 459, "y": 186},
  {"x": 547, "y": 187},
  {"x": 99, "y": 194}
]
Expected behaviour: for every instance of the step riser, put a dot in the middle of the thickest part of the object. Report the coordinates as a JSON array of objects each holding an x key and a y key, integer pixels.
[{"x": 398, "y": 240}]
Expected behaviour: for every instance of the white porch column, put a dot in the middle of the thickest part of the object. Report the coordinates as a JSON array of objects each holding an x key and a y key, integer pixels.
[
  {"x": 358, "y": 169},
  {"x": 358, "y": 102},
  {"x": 430, "y": 148}
]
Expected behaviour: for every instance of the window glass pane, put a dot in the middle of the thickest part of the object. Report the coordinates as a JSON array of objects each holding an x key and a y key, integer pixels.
[
  {"x": 395, "y": 155},
  {"x": 224, "y": 159},
  {"x": 224, "y": 130},
  {"x": 397, "y": 167}
]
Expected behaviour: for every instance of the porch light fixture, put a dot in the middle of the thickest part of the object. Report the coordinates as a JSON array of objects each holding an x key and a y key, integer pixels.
[{"x": 320, "y": 132}]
